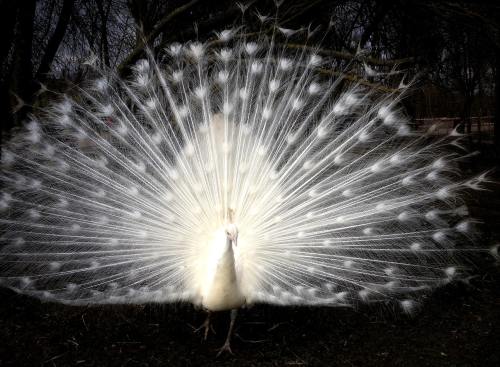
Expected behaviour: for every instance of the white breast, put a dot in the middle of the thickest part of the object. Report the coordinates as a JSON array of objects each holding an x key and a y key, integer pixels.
[{"x": 222, "y": 291}]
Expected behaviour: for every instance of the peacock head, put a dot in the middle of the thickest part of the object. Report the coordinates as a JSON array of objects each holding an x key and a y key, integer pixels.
[{"x": 231, "y": 229}]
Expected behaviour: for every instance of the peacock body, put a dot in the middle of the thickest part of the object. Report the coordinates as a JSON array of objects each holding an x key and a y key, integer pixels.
[{"x": 226, "y": 174}]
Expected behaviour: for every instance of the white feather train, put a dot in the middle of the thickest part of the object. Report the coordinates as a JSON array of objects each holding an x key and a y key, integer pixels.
[{"x": 226, "y": 176}]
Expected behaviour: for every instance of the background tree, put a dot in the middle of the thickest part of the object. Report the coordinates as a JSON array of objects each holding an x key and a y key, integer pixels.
[{"x": 452, "y": 47}]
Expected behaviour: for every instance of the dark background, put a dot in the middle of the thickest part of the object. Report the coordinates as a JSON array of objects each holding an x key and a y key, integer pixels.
[{"x": 453, "y": 50}]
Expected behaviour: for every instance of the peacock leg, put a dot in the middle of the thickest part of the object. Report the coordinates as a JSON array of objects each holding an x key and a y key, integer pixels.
[
  {"x": 206, "y": 326},
  {"x": 227, "y": 344}
]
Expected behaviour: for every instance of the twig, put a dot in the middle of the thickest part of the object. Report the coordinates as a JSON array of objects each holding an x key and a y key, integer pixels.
[
  {"x": 349, "y": 56},
  {"x": 137, "y": 51}
]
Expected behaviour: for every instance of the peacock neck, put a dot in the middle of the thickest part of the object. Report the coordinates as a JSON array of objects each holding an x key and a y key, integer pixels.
[{"x": 223, "y": 292}]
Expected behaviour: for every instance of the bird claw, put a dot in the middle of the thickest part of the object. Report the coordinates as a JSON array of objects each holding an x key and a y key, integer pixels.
[{"x": 225, "y": 348}]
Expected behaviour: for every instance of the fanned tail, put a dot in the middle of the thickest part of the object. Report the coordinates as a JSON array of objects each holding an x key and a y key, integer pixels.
[{"x": 113, "y": 195}]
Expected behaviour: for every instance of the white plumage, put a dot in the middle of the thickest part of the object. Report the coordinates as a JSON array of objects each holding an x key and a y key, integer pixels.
[{"x": 226, "y": 176}]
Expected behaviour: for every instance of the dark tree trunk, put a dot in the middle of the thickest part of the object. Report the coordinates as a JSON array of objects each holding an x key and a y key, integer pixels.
[
  {"x": 103, "y": 15},
  {"x": 497, "y": 99},
  {"x": 22, "y": 66},
  {"x": 382, "y": 7},
  {"x": 55, "y": 39},
  {"x": 466, "y": 115},
  {"x": 7, "y": 25}
]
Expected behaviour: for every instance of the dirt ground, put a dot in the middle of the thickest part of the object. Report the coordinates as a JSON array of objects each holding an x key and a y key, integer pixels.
[{"x": 456, "y": 326}]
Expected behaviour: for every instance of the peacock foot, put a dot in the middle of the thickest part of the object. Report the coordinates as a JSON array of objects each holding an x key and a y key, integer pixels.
[{"x": 225, "y": 348}]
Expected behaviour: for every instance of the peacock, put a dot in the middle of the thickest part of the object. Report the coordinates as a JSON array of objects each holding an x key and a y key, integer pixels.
[{"x": 228, "y": 173}]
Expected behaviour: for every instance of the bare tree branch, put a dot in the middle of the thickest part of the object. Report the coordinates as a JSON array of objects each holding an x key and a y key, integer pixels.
[
  {"x": 160, "y": 27},
  {"x": 349, "y": 56}
]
